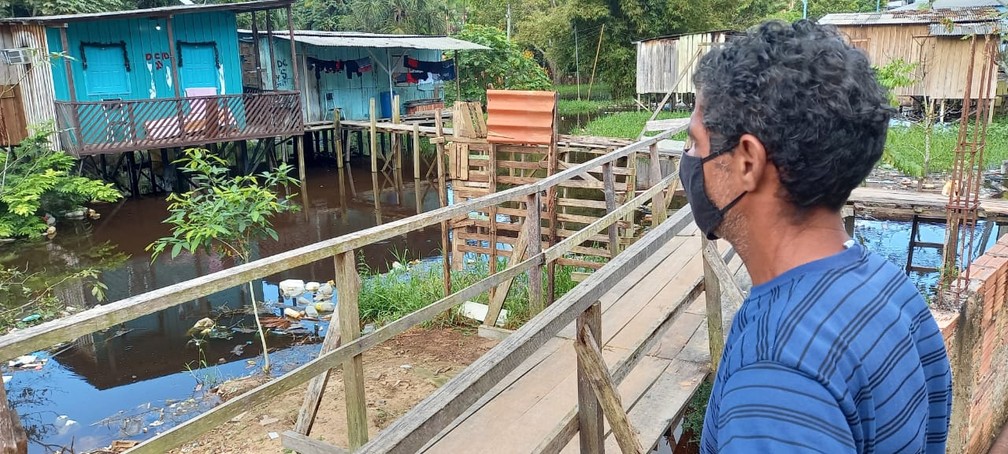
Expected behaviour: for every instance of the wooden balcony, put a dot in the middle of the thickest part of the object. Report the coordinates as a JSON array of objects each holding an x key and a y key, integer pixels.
[{"x": 89, "y": 128}]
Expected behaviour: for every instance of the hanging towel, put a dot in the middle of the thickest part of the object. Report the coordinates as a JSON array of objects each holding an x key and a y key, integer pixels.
[
  {"x": 358, "y": 67},
  {"x": 444, "y": 69},
  {"x": 325, "y": 66}
]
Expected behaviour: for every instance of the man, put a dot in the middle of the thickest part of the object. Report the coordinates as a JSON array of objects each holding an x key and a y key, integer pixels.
[{"x": 834, "y": 350}]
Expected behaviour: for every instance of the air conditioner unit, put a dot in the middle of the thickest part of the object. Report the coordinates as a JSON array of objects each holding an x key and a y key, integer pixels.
[{"x": 17, "y": 56}]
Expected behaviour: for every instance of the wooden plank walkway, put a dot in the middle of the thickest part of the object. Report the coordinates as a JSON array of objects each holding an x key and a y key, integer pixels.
[
  {"x": 888, "y": 202},
  {"x": 530, "y": 405}
]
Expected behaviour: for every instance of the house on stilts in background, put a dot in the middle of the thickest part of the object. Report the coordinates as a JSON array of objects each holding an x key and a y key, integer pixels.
[
  {"x": 127, "y": 90},
  {"x": 665, "y": 64},
  {"x": 344, "y": 70},
  {"x": 936, "y": 41}
]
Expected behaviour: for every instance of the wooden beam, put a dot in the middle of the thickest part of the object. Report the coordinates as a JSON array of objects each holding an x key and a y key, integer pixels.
[
  {"x": 590, "y": 424},
  {"x": 272, "y": 50},
  {"x": 712, "y": 292},
  {"x": 409, "y": 433},
  {"x": 658, "y": 213},
  {"x": 13, "y": 439},
  {"x": 610, "y": 205},
  {"x": 534, "y": 226},
  {"x": 293, "y": 49},
  {"x": 305, "y": 445},
  {"x": 416, "y": 152},
  {"x": 313, "y": 397},
  {"x": 374, "y": 138},
  {"x": 347, "y": 290},
  {"x": 520, "y": 251},
  {"x": 592, "y": 365}
]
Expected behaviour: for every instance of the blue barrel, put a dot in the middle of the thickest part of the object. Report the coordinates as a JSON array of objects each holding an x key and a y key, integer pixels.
[{"x": 385, "y": 99}]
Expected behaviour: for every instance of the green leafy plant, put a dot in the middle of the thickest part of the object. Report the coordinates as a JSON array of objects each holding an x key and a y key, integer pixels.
[
  {"x": 503, "y": 66},
  {"x": 896, "y": 74},
  {"x": 224, "y": 215},
  {"x": 35, "y": 180},
  {"x": 37, "y": 291}
]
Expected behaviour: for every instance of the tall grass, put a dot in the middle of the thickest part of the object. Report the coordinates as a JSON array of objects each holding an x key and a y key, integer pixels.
[
  {"x": 625, "y": 125},
  {"x": 904, "y": 148},
  {"x": 390, "y": 296},
  {"x": 599, "y": 91}
]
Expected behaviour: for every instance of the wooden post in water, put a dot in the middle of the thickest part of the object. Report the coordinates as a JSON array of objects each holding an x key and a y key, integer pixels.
[
  {"x": 13, "y": 439},
  {"x": 338, "y": 138},
  {"x": 396, "y": 139},
  {"x": 374, "y": 138},
  {"x": 348, "y": 289},
  {"x": 658, "y": 213},
  {"x": 416, "y": 152},
  {"x": 712, "y": 290},
  {"x": 299, "y": 149},
  {"x": 591, "y": 432},
  {"x": 534, "y": 226}
]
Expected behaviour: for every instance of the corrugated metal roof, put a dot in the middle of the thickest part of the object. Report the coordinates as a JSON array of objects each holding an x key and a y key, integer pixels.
[
  {"x": 376, "y": 40},
  {"x": 680, "y": 35},
  {"x": 520, "y": 117},
  {"x": 957, "y": 15},
  {"x": 165, "y": 11},
  {"x": 988, "y": 28}
]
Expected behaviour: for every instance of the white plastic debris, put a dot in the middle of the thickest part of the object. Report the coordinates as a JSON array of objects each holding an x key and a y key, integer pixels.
[
  {"x": 312, "y": 286},
  {"x": 292, "y": 287},
  {"x": 478, "y": 312},
  {"x": 22, "y": 360}
]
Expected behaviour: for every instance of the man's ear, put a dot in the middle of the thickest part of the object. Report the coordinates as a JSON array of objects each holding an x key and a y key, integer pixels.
[{"x": 750, "y": 162}]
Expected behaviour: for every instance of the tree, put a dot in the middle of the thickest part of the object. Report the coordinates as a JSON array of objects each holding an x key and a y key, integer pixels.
[
  {"x": 36, "y": 180},
  {"x": 409, "y": 17},
  {"x": 503, "y": 66},
  {"x": 224, "y": 215},
  {"x": 20, "y": 8}
]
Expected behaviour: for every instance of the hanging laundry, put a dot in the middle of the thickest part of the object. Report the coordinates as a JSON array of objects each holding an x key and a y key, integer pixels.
[
  {"x": 444, "y": 69},
  {"x": 325, "y": 66},
  {"x": 358, "y": 67},
  {"x": 412, "y": 77}
]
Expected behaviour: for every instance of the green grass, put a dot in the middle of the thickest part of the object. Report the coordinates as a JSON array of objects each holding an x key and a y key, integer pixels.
[
  {"x": 625, "y": 125},
  {"x": 574, "y": 107},
  {"x": 393, "y": 295},
  {"x": 599, "y": 91},
  {"x": 905, "y": 147}
]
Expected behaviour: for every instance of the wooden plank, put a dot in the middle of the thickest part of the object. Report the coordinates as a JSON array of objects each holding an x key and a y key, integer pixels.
[
  {"x": 589, "y": 416},
  {"x": 579, "y": 263},
  {"x": 581, "y": 203},
  {"x": 306, "y": 445},
  {"x": 374, "y": 137},
  {"x": 313, "y": 396},
  {"x": 534, "y": 242},
  {"x": 414, "y": 429},
  {"x": 497, "y": 302},
  {"x": 348, "y": 289},
  {"x": 713, "y": 297},
  {"x": 597, "y": 373},
  {"x": 13, "y": 439},
  {"x": 658, "y": 213},
  {"x": 610, "y": 206},
  {"x": 267, "y": 392}
]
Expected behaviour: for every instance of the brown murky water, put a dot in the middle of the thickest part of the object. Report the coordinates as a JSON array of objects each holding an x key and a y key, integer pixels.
[{"x": 139, "y": 371}]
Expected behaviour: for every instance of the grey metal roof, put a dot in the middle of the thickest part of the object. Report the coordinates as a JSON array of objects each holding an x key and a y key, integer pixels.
[
  {"x": 988, "y": 28},
  {"x": 957, "y": 15},
  {"x": 256, "y": 5},
  {"x": 375, "y": 40}
]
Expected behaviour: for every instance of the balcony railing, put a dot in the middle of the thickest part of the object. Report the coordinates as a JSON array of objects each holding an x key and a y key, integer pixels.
[{"x": 116, "y": 126}]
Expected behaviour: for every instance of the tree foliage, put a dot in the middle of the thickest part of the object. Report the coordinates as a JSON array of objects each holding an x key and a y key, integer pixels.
[
  {"x": 503, "y": 66},
  {"x": 896, "y": 74},
  {"x": 222, "y": 214},
  {"x": 36, "y": 180}
]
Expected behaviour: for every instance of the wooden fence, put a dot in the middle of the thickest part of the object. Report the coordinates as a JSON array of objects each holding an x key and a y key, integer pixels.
[{"x": 341, "y": 250}]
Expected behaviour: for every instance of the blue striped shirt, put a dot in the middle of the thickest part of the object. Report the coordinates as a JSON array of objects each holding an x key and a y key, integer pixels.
[{"x": 835, "y": 356}]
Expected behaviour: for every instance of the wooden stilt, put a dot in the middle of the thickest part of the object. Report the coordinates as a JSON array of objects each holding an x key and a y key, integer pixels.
[{"x": 374, "y": 138}]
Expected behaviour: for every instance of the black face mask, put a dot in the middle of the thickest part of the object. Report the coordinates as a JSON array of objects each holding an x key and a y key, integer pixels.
[{"x": 708, "y": 217}]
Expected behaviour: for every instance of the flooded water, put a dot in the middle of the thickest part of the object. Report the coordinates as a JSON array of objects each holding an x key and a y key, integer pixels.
[
  {"x": 146, "y": 373},
  {"x": 144, "y": 376}
]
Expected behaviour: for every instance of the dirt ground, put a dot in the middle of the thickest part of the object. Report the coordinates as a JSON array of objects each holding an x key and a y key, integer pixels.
[{"x": 398, "y": 374}]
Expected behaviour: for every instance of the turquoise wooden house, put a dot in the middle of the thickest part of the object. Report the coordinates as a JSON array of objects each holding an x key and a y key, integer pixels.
[
  {"x": 159, "y": 78},
  {"x": 345, "y": 70}
]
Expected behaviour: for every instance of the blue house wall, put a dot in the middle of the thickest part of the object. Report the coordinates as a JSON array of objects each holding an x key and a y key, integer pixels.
[
  {"x": 147, "y": 50},
  {"x": 351, "y": 95}
]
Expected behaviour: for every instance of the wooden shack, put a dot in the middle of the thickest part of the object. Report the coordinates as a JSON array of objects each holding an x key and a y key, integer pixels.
[
  {"x": 665, "y": 64},
  {"x": 26, "y": 83},
  {"x": 345, "y": 70},
  {"x": 145, "y": 79},
  {"x": 933, "y": 40}
]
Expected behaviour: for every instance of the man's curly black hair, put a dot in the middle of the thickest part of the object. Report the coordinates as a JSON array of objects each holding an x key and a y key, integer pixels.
[{"x": 811, "y": 99}]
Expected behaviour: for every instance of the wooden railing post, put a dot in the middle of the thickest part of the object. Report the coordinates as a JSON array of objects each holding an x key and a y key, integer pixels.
[
  {"x": 590, "y": 422},
  {"x": 609, "y": 185},
  {"x": 443, "y": 199},
  {"x": 534, "y": 226},
  {"x": 712, "y": 291},
  {"x": 492, "y": 217},
  {"x": 13, "y": 439},
  {"x": 348, "y": 289},
  {"x": 658, "y": 207}
]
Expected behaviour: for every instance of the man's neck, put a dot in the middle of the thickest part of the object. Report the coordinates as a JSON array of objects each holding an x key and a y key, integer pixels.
[{"x": 819, "y": 235}]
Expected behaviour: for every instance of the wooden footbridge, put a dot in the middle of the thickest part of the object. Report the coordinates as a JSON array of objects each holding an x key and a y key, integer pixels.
[{"x": 610, "y": 364}]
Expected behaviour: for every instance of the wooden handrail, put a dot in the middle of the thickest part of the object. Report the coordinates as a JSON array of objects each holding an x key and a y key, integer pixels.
[
  {"x": 188, "y": 98},
  {"x": 50, "y": 333}
]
